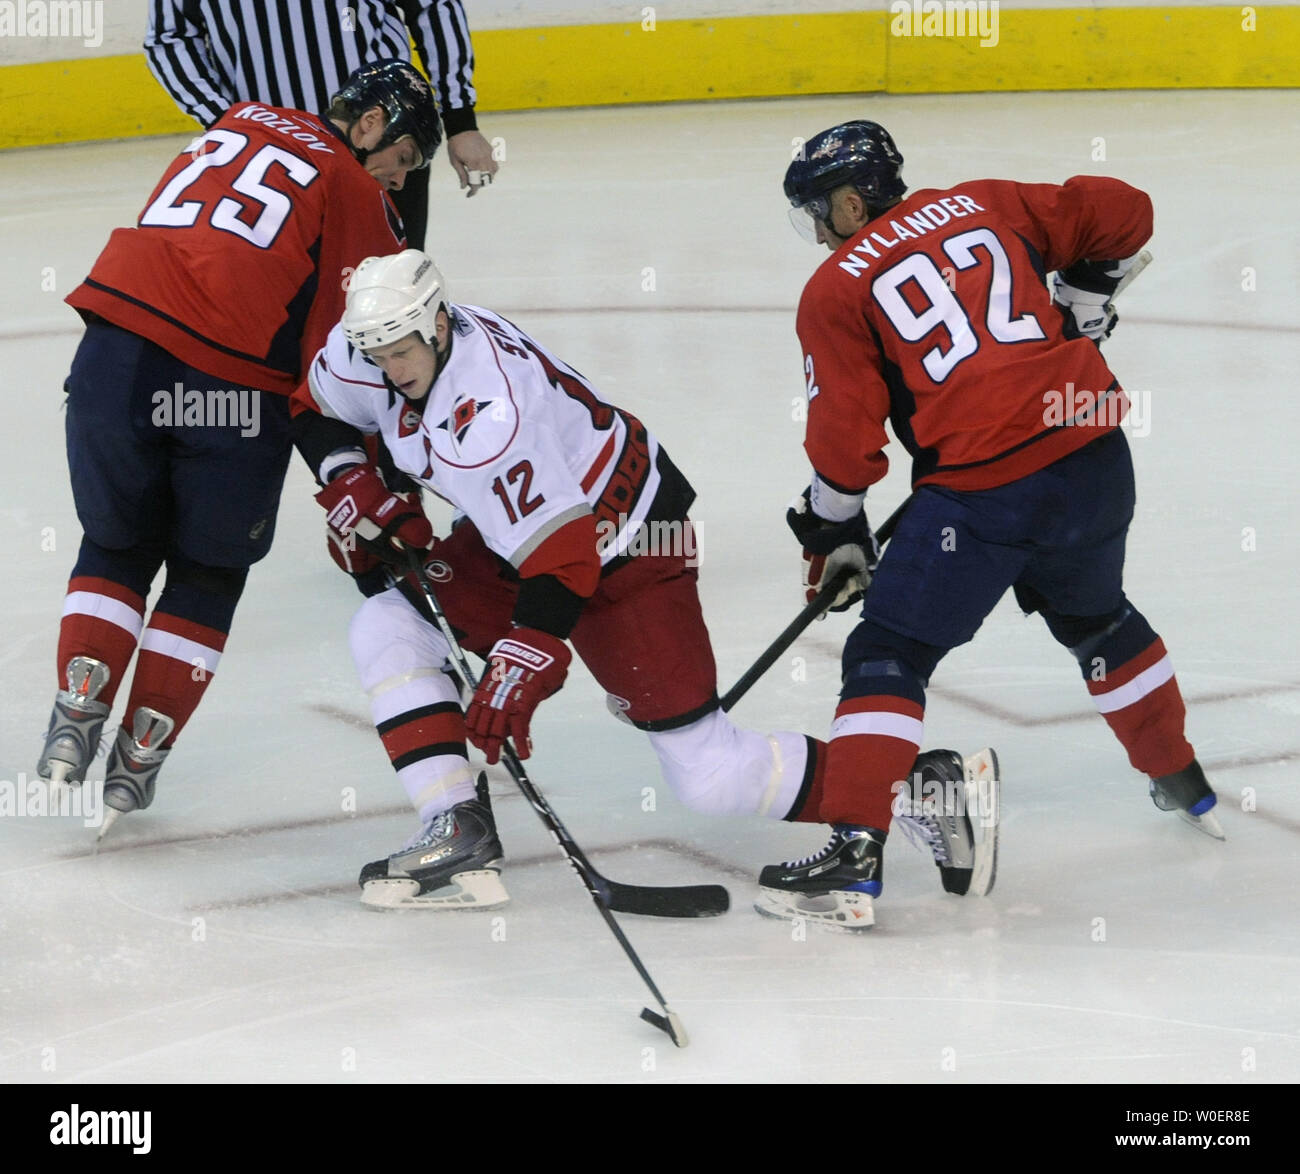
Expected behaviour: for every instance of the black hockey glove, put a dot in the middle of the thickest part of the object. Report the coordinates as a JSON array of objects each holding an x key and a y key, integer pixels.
[
  {"x": 1082, "y": 293},
  {"x": 832, "y": 547}
]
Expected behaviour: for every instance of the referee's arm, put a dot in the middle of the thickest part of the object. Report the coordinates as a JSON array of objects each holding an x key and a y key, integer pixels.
[
  {"x": 441, "y": 35},
  {"x": 177, "y": 51}
]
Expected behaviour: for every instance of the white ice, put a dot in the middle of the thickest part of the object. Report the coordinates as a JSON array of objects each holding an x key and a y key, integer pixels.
[{"x": 218, "y": 936}]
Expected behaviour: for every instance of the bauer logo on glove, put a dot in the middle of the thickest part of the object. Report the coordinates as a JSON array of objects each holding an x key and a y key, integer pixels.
[
  {"x": 523, "y": 671},
  {"x": 343, "y": 517}
]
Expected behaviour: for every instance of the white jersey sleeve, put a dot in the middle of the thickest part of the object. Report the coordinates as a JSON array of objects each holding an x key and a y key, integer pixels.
[{"x": 344, "y": 383}]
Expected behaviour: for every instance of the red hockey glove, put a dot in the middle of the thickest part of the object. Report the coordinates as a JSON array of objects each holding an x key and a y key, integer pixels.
[
  {"x": 523, "y": 670},
  {"x": 360, "y": 509}
]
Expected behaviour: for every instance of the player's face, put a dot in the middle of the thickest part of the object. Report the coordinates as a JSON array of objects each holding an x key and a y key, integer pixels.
[
  {"x": 410, "y": 363},
  {"x": 390, "y": 165}
]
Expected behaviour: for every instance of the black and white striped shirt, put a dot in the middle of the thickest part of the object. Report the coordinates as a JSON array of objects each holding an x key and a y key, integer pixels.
[{"x": 209, "y": 54}]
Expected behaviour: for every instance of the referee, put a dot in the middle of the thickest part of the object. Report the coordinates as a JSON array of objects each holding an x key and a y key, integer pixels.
[{"x": 209, "y": 54}]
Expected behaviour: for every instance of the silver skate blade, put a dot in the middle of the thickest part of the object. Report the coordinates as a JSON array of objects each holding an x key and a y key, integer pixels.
[
  {"x": 476, "y": 889},
  {"x": 840, "y": 910},
  {"x": 58, "y": 776},
  {"x": 1207, "y": 823},
  {"x": 984, "y": 811},
  {"x": 111, "y": 816}
]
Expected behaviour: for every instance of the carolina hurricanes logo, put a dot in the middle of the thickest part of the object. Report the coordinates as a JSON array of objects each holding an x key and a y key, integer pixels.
[
  {"x": 463, "y": 415},
  {"x": 408, "y": 423},
  {"x": 438, "y": 571},
  {"x": 428, "y": 459}
]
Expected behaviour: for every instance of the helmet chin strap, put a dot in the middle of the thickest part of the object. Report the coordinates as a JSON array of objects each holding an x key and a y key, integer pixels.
[{"x": 361, "y": 154}]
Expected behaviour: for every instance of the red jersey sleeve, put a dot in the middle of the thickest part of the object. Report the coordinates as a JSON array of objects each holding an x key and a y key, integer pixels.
[
  {"x": 1088, "y": 217},
  {"x": 848, "y": 400}
]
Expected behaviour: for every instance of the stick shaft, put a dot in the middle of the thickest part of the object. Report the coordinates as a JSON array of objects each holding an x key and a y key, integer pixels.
[{"x": 576, "y": 858}]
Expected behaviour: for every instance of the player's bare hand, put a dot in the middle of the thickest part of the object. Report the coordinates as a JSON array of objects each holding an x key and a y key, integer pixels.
[{"x": 471, "y": 155}]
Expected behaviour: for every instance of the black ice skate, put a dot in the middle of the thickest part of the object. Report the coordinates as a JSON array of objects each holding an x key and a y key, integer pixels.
[
  {"x": 76, "y": 722},
  {"x": 454, "y": 863},
  {"x": 952, "y": 808},
  {"x": 133, "y": 765},
  {"x": 1189, "y": 793},
  {"x": 834, "y": 888}
]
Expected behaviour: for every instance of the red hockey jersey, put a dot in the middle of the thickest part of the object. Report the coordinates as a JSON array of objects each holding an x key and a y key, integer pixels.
[
  {"x": 937, "y": 317},
  {"x": 237, "y": 264}
]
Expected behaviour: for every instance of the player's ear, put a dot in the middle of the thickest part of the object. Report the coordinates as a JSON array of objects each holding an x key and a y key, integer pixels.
[
  {"x": 855, "y": 206},
  {"x": 442, "y": 330},
  {"x": 372, "y": 122}
]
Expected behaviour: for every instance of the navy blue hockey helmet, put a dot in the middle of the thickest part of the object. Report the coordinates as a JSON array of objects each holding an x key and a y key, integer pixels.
[
  {"x": 860, "y": 153},
  {"x": 400, "y": 90}
]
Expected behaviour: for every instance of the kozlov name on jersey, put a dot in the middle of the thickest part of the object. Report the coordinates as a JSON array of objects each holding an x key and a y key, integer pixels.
[{"x": 285, "y": 126}]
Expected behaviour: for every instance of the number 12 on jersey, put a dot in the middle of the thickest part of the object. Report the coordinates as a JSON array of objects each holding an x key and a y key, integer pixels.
[{"x": 522, "y": 475}]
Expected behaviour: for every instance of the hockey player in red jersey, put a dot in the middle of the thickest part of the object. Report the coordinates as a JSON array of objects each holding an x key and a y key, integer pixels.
[
  {"x": 933, "y": 312},
  {"x": 200, "y": 322},
  {"x": 575, "y": 530}
]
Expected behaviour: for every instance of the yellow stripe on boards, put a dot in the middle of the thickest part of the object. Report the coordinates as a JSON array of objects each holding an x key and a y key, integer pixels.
[{"x": 746, "y": 57}]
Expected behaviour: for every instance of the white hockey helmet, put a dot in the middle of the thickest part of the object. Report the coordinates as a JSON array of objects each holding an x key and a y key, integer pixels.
[{"x": 391, "y": 297}]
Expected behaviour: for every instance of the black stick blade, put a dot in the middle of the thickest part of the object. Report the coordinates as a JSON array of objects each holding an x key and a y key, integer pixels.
[{"x": 669, "y": 901}]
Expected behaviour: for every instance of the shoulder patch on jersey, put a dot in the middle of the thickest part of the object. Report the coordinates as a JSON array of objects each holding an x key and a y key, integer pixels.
[
  {"x": 408, "y": 423},
  {"x": 459, "y": 323}
]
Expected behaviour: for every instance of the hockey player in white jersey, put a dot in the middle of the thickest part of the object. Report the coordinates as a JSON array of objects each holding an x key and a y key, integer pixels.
[{"x": 558, "y": 490}]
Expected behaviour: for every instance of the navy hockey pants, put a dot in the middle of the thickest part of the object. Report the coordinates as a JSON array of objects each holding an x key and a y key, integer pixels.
[
  {"x": 163, "y": 455},
  {"x": 1056, "y": 537}
]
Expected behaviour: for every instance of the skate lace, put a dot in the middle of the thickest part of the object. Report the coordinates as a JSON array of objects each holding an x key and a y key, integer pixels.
[
  {"x": 837, "y": 839},
  {"x": 923, "y": 832},
  {"x": 438, "y": 828}
]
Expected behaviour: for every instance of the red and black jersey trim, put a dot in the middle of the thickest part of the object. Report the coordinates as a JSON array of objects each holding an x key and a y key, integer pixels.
[
  {"x": 675, "y": 723},
  {"x": 672, "y": 502},
  {"x": 212, "y": 344},
  {"x": 806, "y": 784}
]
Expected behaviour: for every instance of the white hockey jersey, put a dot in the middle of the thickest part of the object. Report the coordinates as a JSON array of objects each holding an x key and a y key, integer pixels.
[{"x": 509, "y": 434}]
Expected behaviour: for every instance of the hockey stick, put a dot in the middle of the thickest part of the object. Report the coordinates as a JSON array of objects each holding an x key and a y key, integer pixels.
[
  {"x": 646, "y": 900},
  {"x": 824, "y": 598},
  {"x": 603, "y": 892}
]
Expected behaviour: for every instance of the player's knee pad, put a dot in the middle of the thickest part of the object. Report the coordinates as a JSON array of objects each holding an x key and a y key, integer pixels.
[
  {"x": 132, "y": 566},
  {"x": 715, "y": 767},
  {"x": 1112, "y": 638},
  {"x": 202, "y": 593},
  {"x": 877, "y": 660},
  {"x": 391, "y": 642}
]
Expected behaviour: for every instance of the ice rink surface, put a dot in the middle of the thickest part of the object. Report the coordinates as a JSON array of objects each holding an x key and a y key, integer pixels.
[{"x": 218, "y": 937}]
